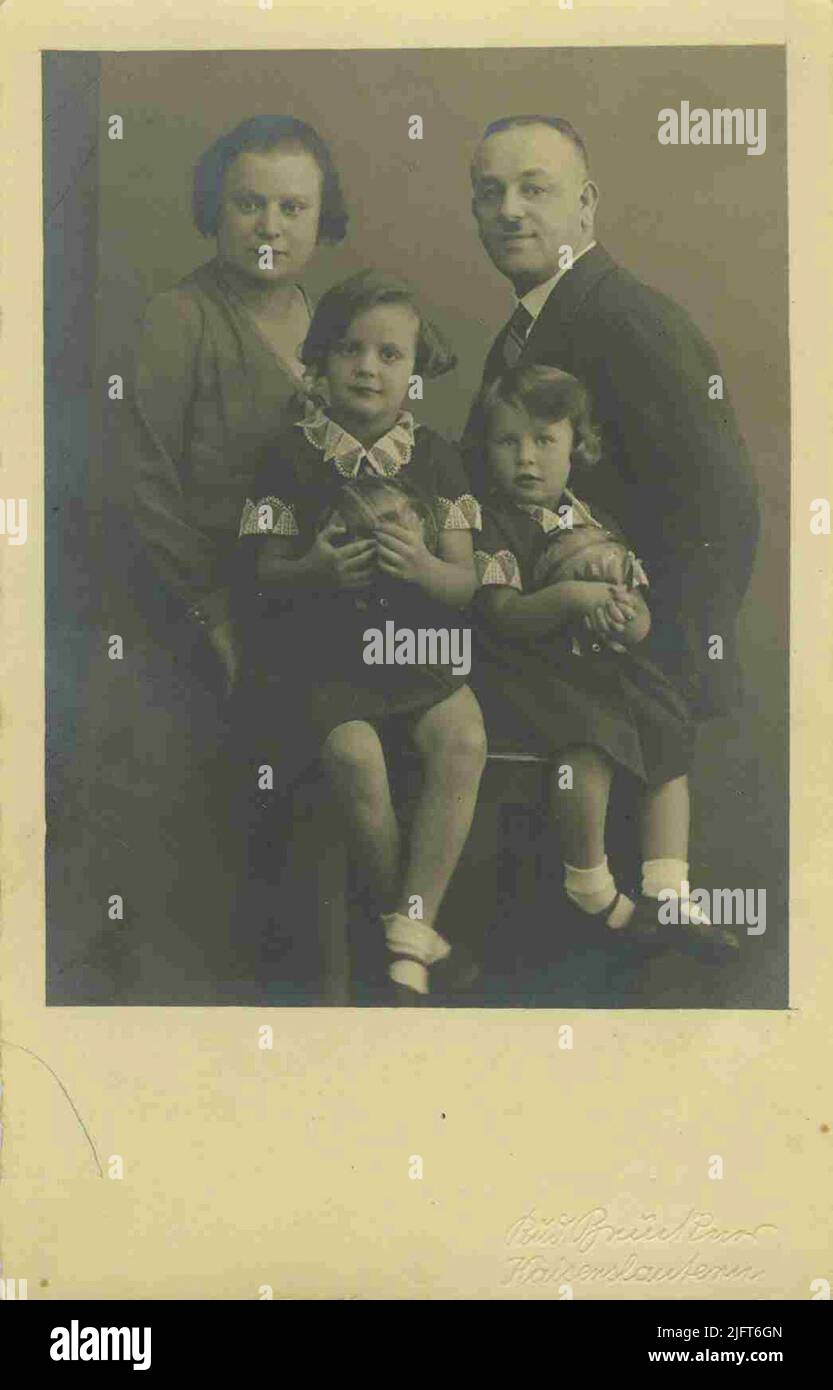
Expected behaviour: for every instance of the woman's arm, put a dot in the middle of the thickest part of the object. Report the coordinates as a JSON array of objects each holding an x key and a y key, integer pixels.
[{"x": 154, "y": 444}]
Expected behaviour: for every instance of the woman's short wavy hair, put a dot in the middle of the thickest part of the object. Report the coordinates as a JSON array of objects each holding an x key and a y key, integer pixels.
[
  {"x": 339, "y": 306},
  {"x": 546, "y": 393},
  {"x": 261, "y": 135}
]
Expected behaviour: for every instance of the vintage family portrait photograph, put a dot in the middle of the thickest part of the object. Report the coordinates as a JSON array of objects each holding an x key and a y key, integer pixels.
[{"x": 417, "y": 512}]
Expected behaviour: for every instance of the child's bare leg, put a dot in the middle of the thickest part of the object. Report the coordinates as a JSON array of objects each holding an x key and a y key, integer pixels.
[
  {"x": 354, "y": 761},
  {"x": 581, "y": 812},
  {"x": 452, "y": 741},
  {"x": 664, "y": 828},
  {"x": 665, "y": 820}
]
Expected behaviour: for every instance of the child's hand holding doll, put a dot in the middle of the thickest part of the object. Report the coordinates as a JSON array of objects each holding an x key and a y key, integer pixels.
[
  {"x": 350, "y": 565},
  {"x": 402, "y": 552},
  {"x": 609, "y": 613},
  {"x": 383, "y": 532},
  {"x": 611, "y": 608}
]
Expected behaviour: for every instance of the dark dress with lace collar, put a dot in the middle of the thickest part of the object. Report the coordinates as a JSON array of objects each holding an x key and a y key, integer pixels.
[
  {"x": 304, "y": 670},
  {"x": 556, "y": 692}
]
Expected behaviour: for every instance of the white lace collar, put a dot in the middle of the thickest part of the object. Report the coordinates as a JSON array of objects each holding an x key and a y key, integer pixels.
[
  {"x": 386, "y": 457},
  {"x": 579, "y": 514}
]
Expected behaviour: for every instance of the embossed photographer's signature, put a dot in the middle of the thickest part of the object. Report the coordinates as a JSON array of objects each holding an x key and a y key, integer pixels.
[{"x": 594, "y": 1229}]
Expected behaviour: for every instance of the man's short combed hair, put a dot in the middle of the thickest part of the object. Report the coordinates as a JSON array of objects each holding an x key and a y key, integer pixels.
[
  {"x": 547, "y": 394},
  {"x": 337, "y": 308},
  {"x": 559, "y": 123},
  {"x": 262, "y": 135}
]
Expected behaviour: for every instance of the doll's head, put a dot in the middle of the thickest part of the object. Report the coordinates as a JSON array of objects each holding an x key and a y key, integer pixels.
[
  {"x": 361, "y": 505},
  {"x": 572, "y": 554},
  {"x": 534, "y": 427},
  {"x": 367, "y": 338}
]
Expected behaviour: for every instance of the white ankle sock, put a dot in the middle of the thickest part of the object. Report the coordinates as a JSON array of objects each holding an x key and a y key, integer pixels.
[
  {"x": 410, "y": 973},
  {"x": 414, "y": 946},
  {"x": 592, "y": 890},
  {"x": 658, "y": 875}
]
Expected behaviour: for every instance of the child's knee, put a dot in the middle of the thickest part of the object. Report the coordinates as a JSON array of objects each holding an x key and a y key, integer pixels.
[
  {"x": 459, "y": 738},
  {"x": 469, "y": 742},
  {"x": 588, "y": 763},
  {"x": 353, "y": 754}
]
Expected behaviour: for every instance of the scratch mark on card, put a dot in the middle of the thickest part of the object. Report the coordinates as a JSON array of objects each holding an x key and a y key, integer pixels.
[{"x": 4, "y": 1042}]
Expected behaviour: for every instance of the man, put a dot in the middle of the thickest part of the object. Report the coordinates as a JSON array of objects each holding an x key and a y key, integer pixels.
[{"x": 674, "y": 470}]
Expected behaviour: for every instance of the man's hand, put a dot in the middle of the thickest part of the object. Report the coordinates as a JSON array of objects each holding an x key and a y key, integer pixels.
[
  {"x": 223, "y": 640},
  {"x": 344, "y": 566},
  {"x": 403, "y": 553}
]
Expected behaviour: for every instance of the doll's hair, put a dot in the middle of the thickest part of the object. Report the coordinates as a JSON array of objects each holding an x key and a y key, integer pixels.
[
  {"x": 341, "y": 304},
  {"x": 358, "y": 502},
  {"x": 262, "y": 135},
  {"x": 546, "y": 393}
]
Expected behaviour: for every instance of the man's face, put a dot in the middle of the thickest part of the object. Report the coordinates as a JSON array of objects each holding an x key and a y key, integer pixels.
[
  {"x": 531, "y": 196},
  {"x": 528, "y": 458}
]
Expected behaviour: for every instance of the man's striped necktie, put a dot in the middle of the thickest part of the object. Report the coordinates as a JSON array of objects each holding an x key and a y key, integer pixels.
[{"x": 516, "y": 331}]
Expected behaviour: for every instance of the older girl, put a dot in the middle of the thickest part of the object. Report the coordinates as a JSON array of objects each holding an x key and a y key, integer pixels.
[{"x": 320, "y": 591}]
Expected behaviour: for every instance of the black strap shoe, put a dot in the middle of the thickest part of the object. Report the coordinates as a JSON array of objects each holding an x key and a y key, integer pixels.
[
  {"x": 456, "y": 973},
  {"x": 695, "y": 937},
  {"x": 592, "y": 929},
  {"x": 401, "y": 997}
]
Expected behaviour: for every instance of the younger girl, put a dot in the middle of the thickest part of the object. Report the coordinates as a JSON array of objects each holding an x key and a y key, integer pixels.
[
  {"x": 567, "y": 626},
  {"x": 323, "y": 585}
]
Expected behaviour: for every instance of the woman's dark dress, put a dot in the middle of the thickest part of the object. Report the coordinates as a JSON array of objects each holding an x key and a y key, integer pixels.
[
  {"x": 304, "y": 670},
  {"x": 205, "y": 395},
  {"x": 545, "y": 695},
  {"x": 209, "y": 396}
]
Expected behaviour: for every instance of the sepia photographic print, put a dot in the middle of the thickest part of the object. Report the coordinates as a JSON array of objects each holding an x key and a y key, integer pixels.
[
  {"x": 415, "y": 584},
  {"x": 417, "y": 459}
]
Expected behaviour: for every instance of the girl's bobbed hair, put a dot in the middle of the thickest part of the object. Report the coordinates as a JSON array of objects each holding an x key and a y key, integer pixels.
[
  {"x": 337, "y": 309},
  {"x": 546, "y": 393},
  {"x": 261, "y": 135}
]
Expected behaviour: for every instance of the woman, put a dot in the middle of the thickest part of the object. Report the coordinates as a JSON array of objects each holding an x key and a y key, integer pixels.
[
  {"x": 217, "y": 365},
  {"x": 218, "y": 358}
]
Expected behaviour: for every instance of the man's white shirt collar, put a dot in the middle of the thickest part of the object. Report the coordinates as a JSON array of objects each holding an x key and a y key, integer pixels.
[{"x": 535, "y": 300}]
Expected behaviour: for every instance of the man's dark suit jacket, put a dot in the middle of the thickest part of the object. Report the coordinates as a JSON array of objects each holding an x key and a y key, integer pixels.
[{"x": 674, "y": 469}]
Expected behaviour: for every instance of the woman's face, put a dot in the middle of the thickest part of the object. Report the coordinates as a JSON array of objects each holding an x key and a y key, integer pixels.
[{"x": 270, "y": 202}]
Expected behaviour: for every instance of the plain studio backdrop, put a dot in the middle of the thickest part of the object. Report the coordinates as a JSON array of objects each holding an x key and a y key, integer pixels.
[{"x": 705, "y": 224}]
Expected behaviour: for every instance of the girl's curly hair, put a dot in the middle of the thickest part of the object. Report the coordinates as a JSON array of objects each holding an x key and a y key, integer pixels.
[{"x": 546, "y": 393}]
